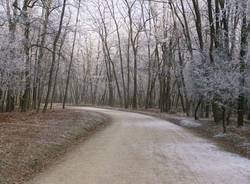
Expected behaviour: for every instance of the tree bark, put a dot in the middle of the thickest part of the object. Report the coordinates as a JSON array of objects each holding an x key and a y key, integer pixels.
[
  {"x": 41, "y": 52},
  {"x": 54, "y": 56},
  {"x": 243, "y": 53},
  {"x": 71, "y": 55},
  {"x": 26, "y": 95}
]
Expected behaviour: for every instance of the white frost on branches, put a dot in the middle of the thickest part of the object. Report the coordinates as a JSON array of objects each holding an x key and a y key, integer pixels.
[
  {"x": 12, "y": 63},
  {"x": 214, "y": 81}
]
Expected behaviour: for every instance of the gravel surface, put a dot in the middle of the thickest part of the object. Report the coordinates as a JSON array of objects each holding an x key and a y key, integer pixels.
[{"x": 141, "y": 149}]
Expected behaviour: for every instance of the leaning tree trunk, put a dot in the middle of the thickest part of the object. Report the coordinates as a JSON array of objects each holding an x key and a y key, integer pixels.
[
  {"x": 54, "y": 56},
  {"x": 58, "y": 66},
  {"x": 71, "y": 55}
]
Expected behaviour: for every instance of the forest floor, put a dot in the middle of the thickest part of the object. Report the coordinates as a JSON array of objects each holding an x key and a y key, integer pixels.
[
  {"x": 29, "y": 142},
  {"x": 236, "y": 140}
]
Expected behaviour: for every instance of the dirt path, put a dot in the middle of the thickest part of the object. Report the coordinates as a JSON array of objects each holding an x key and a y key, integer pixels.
[{"x": 138, "y": 149}]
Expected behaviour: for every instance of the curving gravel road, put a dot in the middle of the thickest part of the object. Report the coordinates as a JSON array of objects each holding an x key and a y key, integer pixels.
[{"x": 138, "y": 149}]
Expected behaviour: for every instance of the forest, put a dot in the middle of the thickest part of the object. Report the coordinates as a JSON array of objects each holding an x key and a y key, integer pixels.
[{"x": 186, "y": 56}]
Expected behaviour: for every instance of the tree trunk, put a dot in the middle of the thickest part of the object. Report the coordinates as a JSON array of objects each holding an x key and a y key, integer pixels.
[
  {"x": 134, "y": 103},
  {"x": 243, "y": 54},
  {"x": 54, "y": 56},
  {"x": 223, "y": 121},
  {"x": 128, "y": 72},
  {"x": 58, "y": 66},
  {"x": 26, "y": 95},
  {"x": 71, "y": 55},
  {"x": 207, "y": 114},
  {"x": 40, "y": 86},
  {"x": 217, "y": 114},
  {"x": 10, "y": 103},
  {"x": 196, "y": 109},
  {"x": 248, "y": 116},
  {"x": 198, "y": 23}
]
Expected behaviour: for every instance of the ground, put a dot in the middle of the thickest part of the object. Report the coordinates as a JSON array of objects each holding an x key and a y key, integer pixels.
[
  {"x": 236, "y": 140},
  {"x": 141, "y": 149},
  {"x": 29, "y": 142}
]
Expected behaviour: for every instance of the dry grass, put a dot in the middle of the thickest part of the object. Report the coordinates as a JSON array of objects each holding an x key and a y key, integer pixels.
[{"x": 30, "y": 141}]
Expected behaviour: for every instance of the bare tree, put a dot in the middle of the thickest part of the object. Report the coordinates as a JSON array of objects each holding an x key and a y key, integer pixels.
[
  {"x": 54, "y": 56},
  {"x": 72, "y": 54}
]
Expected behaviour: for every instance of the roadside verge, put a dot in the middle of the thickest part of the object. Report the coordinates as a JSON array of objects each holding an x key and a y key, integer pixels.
[
  {"x": 29, "y": 142},
  {"x": 236, "y": 140}
]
